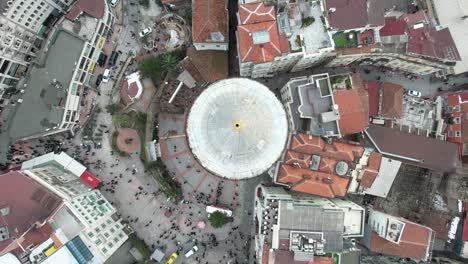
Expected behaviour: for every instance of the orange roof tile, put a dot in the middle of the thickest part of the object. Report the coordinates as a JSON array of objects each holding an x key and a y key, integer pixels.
[
  {"x": 302, "y": 160},
  {"x": 354, "y": 117},
  {"x": 414, "y": 242},
  {"x": 372, "y": 170},
  {"x": 209, "y": 16},
  {"x": 262, "y": 52},
  {"x": 392, "y": 100},
  {"x": 255, "y": 13},
  {"x": 313, "y": 182}
]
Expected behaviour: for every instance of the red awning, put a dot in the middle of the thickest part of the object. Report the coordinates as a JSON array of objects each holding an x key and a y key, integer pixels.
[{"x": 89, "y": 179}]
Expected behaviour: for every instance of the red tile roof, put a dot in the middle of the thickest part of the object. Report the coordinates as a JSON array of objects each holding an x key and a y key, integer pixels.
[
  {"x": 295, "y": 170},
  {"x": 313, "y": 182},
  {"x": 373, "y": 95},
  {"x": 33, "y": 203},
  {"x": 415, "y": 18},
  {"x": 414, "y": 242},
  {"x": 209, "y": 16},
  {"x": 428, "y": 41},
  {"x": 393, "y": 27},
  {"x": 392, "y": 100},
  {"x": 256, "y": 13},
  {"x": 353, "y": 115},
  {"x": 259, "y": 53},
  {"x": 127, "y": 92},
  {"x": 348, "y": 14},
  {"x": 212, "y": 64},
  {"x": 94, "y": 8},
  {"x": 372, "y": 170}
]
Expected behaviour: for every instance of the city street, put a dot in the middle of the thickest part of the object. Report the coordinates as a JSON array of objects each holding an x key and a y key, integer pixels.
[{"x": 427, "y": 86}]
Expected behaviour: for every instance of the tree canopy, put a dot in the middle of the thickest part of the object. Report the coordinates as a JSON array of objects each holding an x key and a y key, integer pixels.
[{"x": 218, "y": 219}]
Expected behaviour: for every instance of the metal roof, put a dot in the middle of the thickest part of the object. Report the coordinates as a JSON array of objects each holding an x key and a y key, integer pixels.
[{"x": 237, "y": 128}]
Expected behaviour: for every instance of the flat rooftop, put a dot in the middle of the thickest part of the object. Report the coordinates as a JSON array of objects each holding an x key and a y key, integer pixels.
[
  {"x": 314, "y": 104},
  {"x": 42, "y": 106},
  {"x": 314, "y": 36},
  {"x": 298, "y": 217}
]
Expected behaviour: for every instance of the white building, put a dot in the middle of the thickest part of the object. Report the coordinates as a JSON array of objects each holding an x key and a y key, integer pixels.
[
  {"x": 86, "y": 212},
  {"x": 272, "y": 40},
  {"x": 60, "y": 173},
  {"x": 298, "y": 227},
  {"x": 31, "y": 14}
]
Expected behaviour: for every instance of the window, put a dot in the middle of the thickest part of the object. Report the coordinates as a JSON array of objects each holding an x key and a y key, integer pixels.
[
  {"x": 90, "y": 234},
  {"x": 457, "y": 134},
  {"x": 103, "y": 225},
  {"x": 106, "y": 234},
  {"x": 110, "y": 244},
  {"x": 97, "y": 229},
  {"x": 457, "y": 120},
  {"x": 98, "y": 242},
  {"x": 104, "y": 250},
  {"x": 109, "y": 221},
  {"x": 112, "y": 230}
]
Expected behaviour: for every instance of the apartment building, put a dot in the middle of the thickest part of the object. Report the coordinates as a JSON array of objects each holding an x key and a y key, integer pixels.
[
  {"x": 51, "y": 102},
  {"x": 391, "y": 35},
  {"x": 22, "y": 24},
  {"x": 288, "y": 36},
  {"x": 32, "y": 14},
  {"x": 81, "y": 213},
  {"x": 210, "y": 20},
  {"x": 298, "y": 228},
  {"x": 396, "y": 236},
  {"x": 328, "y": 106}
]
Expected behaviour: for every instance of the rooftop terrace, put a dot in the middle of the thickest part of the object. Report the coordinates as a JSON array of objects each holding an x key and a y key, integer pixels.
[{"x": 303, "y": 20}]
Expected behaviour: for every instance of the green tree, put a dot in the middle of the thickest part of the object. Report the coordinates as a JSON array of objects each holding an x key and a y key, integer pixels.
[
  {"x": 113, "y": 108},
  {"x": 218, "y": 219},
  {"x": 151, "y": 68},
  {"x": 169, "y": 61}
]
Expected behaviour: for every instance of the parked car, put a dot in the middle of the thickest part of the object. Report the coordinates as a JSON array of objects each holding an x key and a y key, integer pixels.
[
  {"x": 191, "y": 252},
  {"x": 106, "y": 76},
  {"x": 414, "y": 93},
  {"x": 102, "y": 59},
  {"x": 172, "y": 258},
  {"x": 98, "y": 80},
  {"x": 114, "y": 3},
  {"x": 145, "y": 31},
  {"x": 113, "y": 58}
]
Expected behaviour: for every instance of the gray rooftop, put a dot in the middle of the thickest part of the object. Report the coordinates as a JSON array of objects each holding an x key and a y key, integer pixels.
[
  {"x": 42, "y": 106},
  {"x": 378, "y": 8},
  {"x": 311, "y": 104},
  {"x": 307, "y": 218}
]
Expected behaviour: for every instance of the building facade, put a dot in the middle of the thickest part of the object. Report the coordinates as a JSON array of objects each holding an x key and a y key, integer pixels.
[
  {"x": 96, "y": 221},
  {"x": 273, "y": 39}
]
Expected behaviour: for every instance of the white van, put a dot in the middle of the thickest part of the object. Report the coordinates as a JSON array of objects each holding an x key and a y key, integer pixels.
[
  {"x": 106, "y": 76},
  {"x": 114, "y": 3},
  {"x": 191, "y": 252}
]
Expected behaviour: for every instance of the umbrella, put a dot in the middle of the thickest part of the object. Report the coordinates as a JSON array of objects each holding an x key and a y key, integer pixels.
[{"x": 201, "y": 225}]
